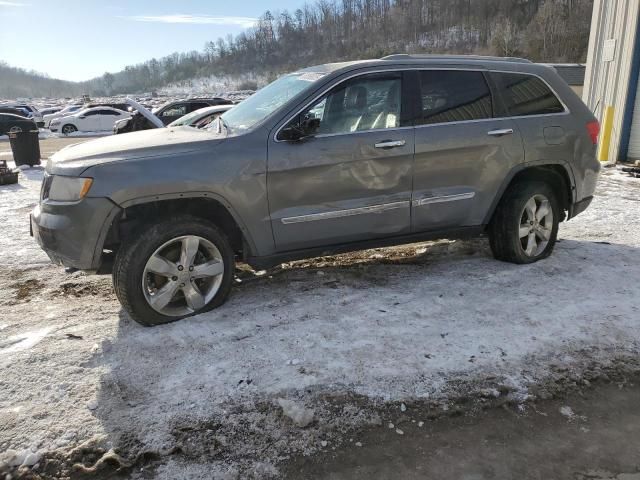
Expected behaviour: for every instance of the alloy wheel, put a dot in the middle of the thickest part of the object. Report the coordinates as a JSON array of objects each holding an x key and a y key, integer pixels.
[
  {"x": 536, "y": 225},
  {"x": 182, "y": 275}
]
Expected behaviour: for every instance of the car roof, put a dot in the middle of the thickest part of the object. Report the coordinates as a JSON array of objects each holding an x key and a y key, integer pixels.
[
  {"x": 93, "y": 109},
  {"x": 424, "y": 60},
  {"x": 16, "y": 117}
]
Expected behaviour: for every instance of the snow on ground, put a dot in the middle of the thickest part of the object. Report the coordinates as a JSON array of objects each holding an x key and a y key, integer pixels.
[{"x": 325, "y": 337}]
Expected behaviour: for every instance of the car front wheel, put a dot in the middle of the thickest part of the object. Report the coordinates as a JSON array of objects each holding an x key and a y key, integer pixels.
[
  {"x": 67, "y": 129},
  {"x": 525, "y": 225},
  {"x": 173, "y": 269}
]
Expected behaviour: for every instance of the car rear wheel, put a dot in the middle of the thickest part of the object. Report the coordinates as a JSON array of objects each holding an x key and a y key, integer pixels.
[
  {"x": 524, "y": 227},
  {"x": 174, "y": 269},
  {"x": 67, "y": 129}
]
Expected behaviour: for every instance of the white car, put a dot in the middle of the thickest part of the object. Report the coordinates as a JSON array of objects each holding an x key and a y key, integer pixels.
[
  {"x": 202, "y": 117},
  {"x": 96, "y": 119},
  {"x": 68, "y": 110}
]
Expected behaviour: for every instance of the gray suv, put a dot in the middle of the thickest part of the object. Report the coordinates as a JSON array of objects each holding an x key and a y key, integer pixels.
[{"x": 328, "y": 159}]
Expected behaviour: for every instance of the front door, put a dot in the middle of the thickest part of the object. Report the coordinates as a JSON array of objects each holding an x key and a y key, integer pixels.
[
  {"x": 351, "y": 180},
  {"x": 463, "y": 151}
]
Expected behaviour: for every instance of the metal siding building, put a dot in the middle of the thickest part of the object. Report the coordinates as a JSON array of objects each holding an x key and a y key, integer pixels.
[{"x": 612, "y": 73}]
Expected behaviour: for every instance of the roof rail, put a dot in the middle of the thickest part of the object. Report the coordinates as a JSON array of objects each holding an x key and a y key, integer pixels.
[{"x": 429, "y": 56}]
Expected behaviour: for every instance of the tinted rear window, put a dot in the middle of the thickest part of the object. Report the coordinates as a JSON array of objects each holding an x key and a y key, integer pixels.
[
  {"x": 527, "y": 95},
  {"x": 454, "y": 96}
]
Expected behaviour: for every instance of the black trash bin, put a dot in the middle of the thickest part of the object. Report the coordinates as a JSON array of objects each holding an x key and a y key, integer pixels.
[{"x": 25, "y": 147}]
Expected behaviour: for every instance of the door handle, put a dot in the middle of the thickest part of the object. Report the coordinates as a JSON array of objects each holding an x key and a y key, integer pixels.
[
  {"x": 390, "y": 144},
  {"x": 501, "y": 132}
]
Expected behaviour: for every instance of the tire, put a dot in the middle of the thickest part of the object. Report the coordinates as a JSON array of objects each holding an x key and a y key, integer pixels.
[
  {"x": 508, "y": 235},
  {"x": 142, "y": 292},
  {"x": 68, "y": 128}
]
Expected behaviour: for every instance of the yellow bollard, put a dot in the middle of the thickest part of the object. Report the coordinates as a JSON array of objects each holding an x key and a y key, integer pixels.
[{"x": 607, "y": 128}]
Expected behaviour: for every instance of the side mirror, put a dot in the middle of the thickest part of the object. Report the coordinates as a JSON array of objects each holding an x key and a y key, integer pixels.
[{"x": 298, "y": 132}]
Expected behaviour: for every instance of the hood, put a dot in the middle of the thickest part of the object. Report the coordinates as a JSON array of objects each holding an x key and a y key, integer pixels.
[{"x": 74, "y": 159}]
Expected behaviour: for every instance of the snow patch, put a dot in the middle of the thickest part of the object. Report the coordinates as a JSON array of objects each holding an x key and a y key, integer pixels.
[
  {"x": 23, "y": 341},
  {"x": 300, "y": 415},
  {"x": 567, "y": 411}
]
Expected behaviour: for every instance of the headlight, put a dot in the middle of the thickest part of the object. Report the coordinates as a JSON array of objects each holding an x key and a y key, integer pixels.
[{"x": 69, "y": 189}]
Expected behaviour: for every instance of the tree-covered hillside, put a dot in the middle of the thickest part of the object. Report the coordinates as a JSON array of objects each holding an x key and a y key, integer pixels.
[{"x": 328, "y": 31}]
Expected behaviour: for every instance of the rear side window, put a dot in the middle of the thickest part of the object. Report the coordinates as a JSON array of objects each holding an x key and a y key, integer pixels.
[
  {"x": 175, "y": 111},
  {"x": 197, "y": 106},
  {"x": 454, "y": 96},
  {"x": 527, "y": 95}
]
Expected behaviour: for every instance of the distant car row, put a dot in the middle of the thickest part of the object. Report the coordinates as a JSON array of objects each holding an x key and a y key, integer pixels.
[
  {"x": 117, "y": 117},
  {"x": 168, "y": 113}
]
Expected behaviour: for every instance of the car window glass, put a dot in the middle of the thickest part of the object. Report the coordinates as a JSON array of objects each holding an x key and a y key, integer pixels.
[
  {"x": 370, "y": 102},
  {"x": 454, "y": 96},
  {"x": 175, "y": 111},
  {"x": 527, "y": 95}
]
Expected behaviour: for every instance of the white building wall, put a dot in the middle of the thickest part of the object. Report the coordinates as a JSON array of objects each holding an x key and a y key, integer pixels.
[{"x": 608, "y": 76}]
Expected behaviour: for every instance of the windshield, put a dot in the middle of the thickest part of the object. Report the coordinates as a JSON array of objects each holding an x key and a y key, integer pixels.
[{"x": 261, "y": 104}]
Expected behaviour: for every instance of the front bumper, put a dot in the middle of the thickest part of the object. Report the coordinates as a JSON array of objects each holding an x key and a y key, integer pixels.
[{"x": 72, "y": 234}]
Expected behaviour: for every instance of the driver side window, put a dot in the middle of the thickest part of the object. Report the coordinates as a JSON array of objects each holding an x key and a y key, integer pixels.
[{"x": 368, "y": 102}]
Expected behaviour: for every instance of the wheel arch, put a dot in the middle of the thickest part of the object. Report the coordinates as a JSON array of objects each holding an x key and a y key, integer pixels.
[
  {"x": 208, "y": 206},
  {"x": 557, "y": 175}
]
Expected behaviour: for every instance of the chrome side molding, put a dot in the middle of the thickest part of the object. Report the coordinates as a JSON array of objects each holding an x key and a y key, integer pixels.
[
  {"x": 345, "y": 213},
  {"x": 445, "y": 198},
  {"x": 500, "y": 133}
]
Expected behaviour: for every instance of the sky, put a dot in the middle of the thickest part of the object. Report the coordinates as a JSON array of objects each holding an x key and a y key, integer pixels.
[{"x": 82, "y": 39}]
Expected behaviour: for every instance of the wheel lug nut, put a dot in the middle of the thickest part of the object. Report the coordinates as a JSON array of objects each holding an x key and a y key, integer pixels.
[
  {"x": 180, "y": 267},
  {"x": 182, "y": 284},
  {"x": 191, "y": 268},
  {"x": 174, "y": 278}
]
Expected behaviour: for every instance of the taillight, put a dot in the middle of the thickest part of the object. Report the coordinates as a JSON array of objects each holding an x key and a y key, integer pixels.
[{"x": 594, "y": 130}]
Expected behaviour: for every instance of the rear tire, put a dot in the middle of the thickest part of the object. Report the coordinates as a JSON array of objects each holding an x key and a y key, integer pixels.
[
  {"x": 524, "y": 227},
  {"x": 152, "y": 284}
]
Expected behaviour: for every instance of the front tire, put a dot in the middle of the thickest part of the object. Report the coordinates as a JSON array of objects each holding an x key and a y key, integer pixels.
[
  {"x": 174, "y": 269},
  {"x": 524, "y": 227},
  {"x": 68, "y": 129}
]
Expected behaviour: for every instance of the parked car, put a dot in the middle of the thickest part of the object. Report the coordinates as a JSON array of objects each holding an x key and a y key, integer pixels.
[
  {"x": 14, "y": 111},
  {"x": 169, "y": 113},
  {"x": 31, "y": 111},
  {"x": 15, "y": 123},
  {"x": 49, "y": 111},
  {"x": 96, "y": 119},
  {"x": 117, "y": 105},
  {"x": 201, "y": 118},
  {"x": 351, "y": 155},
  {"x": 69, "y": 109}
]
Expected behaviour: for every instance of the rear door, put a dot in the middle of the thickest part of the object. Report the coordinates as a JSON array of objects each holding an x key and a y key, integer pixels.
[
  {"x": 547, "y": 128},
  {"x": 352, "y": 180},
  {"x": 463, "y": 152}
]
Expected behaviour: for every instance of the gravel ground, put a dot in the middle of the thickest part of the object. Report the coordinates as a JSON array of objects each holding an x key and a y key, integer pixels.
[{"x": 300, "y": 355}]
